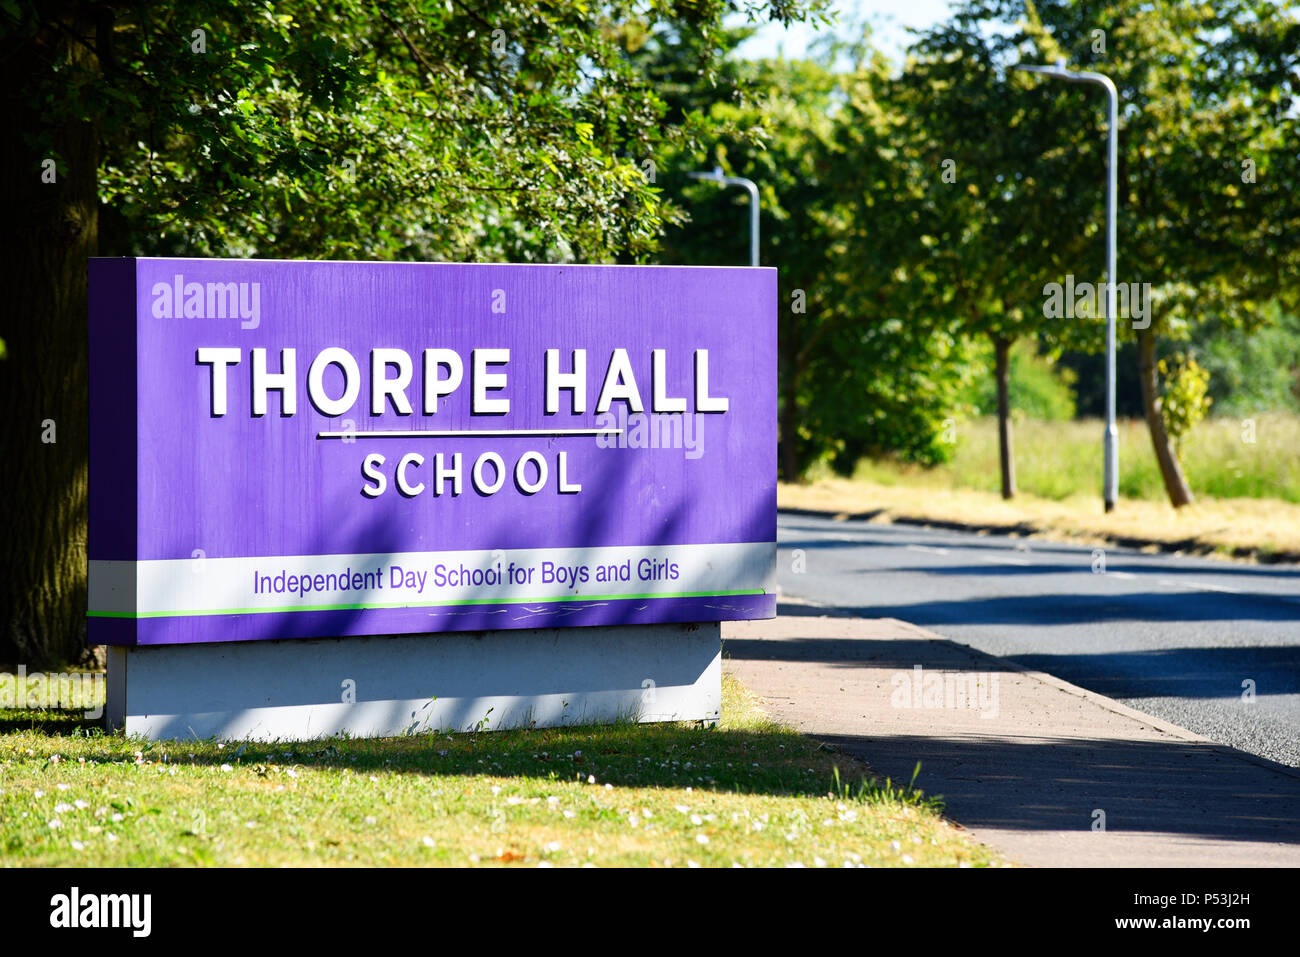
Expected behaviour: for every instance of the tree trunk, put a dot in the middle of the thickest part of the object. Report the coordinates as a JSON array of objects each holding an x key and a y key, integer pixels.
[
  {"x": 1171, "y": 471},
  {"x": 1002, "y": 352},
  {"x": 52, "y": 229}
]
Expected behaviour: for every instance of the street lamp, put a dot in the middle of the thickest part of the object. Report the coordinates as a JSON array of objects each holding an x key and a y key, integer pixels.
[
  {"x": 1111, "y": 441},
  {"x": 717, "y": 177}
]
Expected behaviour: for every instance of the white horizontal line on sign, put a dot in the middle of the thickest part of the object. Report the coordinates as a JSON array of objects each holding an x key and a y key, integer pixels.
[
  {"x": 285, "y": 583},
  {"x": 451, "y": 433}
]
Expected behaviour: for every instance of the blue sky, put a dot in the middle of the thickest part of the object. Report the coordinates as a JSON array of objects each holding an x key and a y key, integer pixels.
[{"x": 890, "y": 18}]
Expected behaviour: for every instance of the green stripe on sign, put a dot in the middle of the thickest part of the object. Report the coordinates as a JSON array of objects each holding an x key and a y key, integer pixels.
[{"x": 424, "y": 604}]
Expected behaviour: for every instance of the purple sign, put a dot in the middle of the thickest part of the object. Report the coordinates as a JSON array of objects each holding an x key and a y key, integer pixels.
[{"x": 289, "y": 449}]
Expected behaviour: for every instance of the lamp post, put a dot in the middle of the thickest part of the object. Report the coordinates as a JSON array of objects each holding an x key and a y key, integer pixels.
[
  {"x": 1111, "y": 440},
  {"x": 717, "y": 177}
]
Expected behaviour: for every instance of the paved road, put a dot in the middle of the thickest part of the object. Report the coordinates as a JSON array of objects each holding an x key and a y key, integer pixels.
[{"x": 1184, "y": 639}]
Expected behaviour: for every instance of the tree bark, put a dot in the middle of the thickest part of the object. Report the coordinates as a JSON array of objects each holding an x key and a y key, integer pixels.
[
  {"x": 52, "y": 229},
  {"x": 1006, "y": 459},
  {"x": 1180, "y": 493}
]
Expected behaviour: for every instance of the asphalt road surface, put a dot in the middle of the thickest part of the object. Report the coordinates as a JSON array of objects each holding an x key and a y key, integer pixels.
[{"x": 1210, "y": 645}]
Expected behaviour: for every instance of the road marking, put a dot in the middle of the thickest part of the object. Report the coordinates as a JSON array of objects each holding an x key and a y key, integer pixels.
[
  {"x": 928, "y": 549},
  {"x": 1174, "y": 583},
  {"x": 1003, "y": 561},
  {"x": 1223, "y": 589},
  {"x": 805, "y": 537},
  {"x": 939, "y": 550}
]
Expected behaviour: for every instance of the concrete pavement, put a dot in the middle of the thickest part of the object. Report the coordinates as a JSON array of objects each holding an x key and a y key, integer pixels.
[{"x": 1030, "y": 764}]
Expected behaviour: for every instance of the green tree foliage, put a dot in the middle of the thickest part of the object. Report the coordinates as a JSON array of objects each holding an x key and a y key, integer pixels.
[
  {"x": 860, "y": 372},
  {"x": 1251, "y": 371},
  {"x": 888, "y": 358},
  {"x": 1186, "y": 395},
  {"x": 453, "y": 130},
  {"x": 992, "y": 224},
  {"x": 1037, "y": 387}
]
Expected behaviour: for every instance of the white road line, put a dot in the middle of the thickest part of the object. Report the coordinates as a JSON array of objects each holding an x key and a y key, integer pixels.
[
  {"x": 1003, "y": 561},
  {"x": 928, "y": 549},
  {"x": 1197, "y": 587},
  {"x": 1174, "y": 583}
]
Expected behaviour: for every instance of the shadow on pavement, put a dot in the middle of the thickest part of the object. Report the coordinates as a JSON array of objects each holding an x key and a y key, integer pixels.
[
  {"x": 1038, "y": 767},
  {"x": 1059, "y": 784}
]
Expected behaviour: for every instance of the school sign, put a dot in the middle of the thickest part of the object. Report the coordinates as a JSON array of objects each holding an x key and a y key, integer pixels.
[{"x": 316, "y": 449}]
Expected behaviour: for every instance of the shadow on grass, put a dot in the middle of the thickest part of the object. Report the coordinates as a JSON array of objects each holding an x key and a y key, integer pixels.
[
  {"x": 47, "y": 721},
  {"x": 758, "y": 759}
]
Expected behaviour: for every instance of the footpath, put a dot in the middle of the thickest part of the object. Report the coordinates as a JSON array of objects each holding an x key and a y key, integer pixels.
[{"x": 1047, "y": 773}]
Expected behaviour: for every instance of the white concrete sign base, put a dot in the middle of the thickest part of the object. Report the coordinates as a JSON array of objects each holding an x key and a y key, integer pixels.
[{"x": 409, "y": 684}]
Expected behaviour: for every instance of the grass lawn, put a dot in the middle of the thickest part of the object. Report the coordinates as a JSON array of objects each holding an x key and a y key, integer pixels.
[
  {"x": 1058, "y": 472},
  {"x": 748, "y": 792}
]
